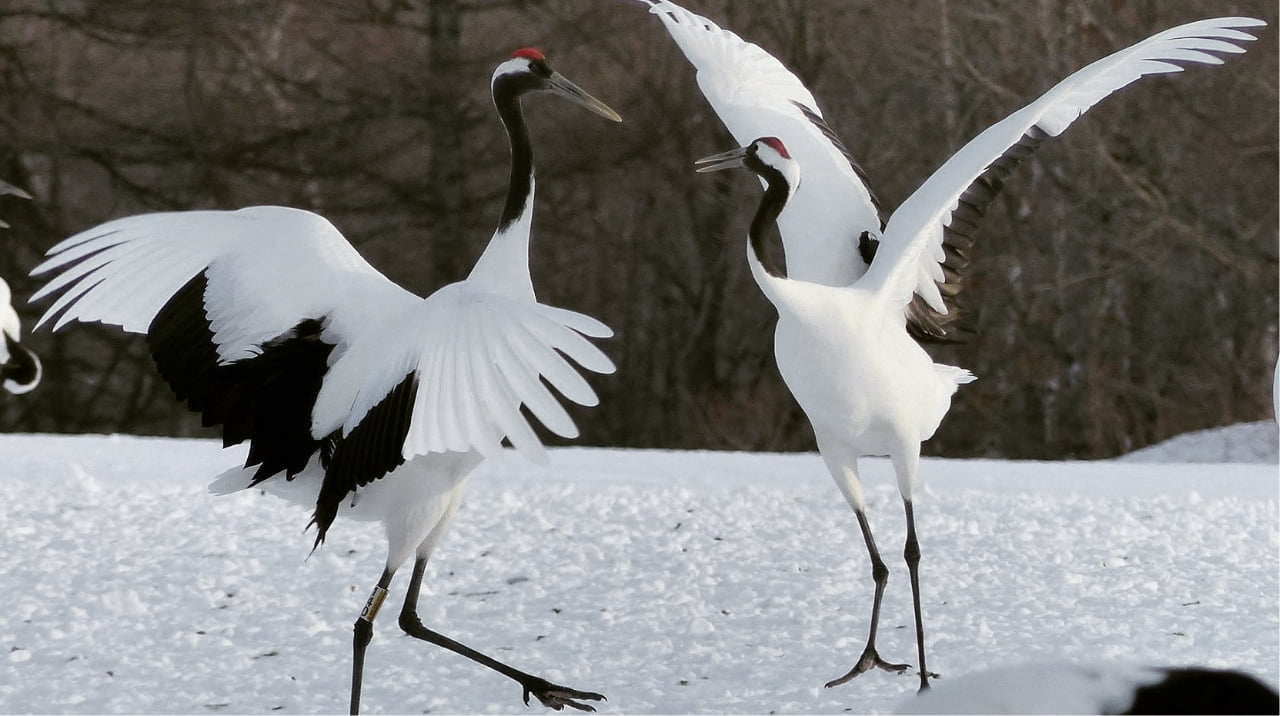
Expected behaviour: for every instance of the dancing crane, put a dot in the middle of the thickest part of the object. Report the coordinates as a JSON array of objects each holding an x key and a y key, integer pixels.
[
  {"x": 846, "y": 351},
  {"x": 19, "y": 366},
  {"x": 356, "y": 396}
]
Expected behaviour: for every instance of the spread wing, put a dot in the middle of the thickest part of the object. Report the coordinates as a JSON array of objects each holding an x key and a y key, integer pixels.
[
  {"x": 270, "y": 324},
  {"x": 243, "y": 311},
  {"x": 452, "y": 374},
  {"x": 913, "y": 257},
  {"x": 756, "y": 96}
]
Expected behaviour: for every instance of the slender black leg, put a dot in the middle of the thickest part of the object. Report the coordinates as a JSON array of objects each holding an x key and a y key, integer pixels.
[
  {"x": 364, "y": 634},
  {"x": 551, "y": 695},
  {"x": 880, "y": 573},
  {"x": 912, "y": 554}
]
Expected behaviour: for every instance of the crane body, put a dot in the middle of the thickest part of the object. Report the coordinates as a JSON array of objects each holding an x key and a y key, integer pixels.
[{"x": 356, "y": 396}]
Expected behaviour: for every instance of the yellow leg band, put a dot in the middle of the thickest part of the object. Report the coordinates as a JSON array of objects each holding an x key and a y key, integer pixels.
[{"x": 371, "y": 607}]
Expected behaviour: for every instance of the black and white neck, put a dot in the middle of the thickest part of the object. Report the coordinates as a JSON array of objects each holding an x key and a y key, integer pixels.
[
  {"x": 511, "y": 80},
  {"x": 504, "y": 265},
  {"x": 769, "y": 160},
  {"x": 505, "y": 261},
  {"x": 778, "y": 190}
]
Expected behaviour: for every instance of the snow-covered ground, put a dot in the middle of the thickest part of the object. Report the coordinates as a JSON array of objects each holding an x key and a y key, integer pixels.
[
  {"x": 1245, "y": 442},
  {"x": 673, "y": 582}
]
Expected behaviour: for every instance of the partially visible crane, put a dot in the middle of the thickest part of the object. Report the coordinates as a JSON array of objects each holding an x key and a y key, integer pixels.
[
  {"x": 20, "y": 368},
  {"x": 1062, "y": 687},
  {"x": 356, "y": 396},
  {"x": 847, "y": 351}
]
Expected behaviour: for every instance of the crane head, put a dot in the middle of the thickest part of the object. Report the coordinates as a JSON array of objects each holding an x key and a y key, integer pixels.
[
  {"x": 766, "y": 157},
  {"x": 528, "y": 71}
]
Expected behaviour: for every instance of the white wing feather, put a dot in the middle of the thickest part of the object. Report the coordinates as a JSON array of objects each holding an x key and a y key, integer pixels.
[
  {"x": 477, "y": 361},
  {"x": 478, "y": 355},
  {"x": 756, "y": 96},
  {"x": 908, "y": 256},
  {"x": 269, "y": 267}
]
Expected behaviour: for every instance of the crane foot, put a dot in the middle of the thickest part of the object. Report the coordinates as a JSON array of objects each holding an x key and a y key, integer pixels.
[
  {"x": 554, "y": 696},
  {"x": 868, "y": 661}
]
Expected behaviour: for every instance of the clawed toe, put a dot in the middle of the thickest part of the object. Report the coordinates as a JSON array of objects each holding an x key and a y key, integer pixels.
[
  {"x": 554, "y": 696},
  {"x": 868, "y": 661}
]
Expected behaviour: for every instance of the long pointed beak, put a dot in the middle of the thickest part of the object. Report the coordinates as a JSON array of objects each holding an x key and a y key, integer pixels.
[
  {"x": 563, "y": 87},
  {"x": 7, "y": 188},
  {"x": 723, "y": 160}
]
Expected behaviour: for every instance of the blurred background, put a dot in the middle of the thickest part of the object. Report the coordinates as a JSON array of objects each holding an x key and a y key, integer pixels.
[{"x": 1123, "y": 287}]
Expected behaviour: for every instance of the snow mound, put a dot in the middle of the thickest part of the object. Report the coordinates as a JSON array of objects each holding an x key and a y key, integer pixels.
[
  {"x": 1243, "y": 442},
  {"x": 1101, "y": 687}
]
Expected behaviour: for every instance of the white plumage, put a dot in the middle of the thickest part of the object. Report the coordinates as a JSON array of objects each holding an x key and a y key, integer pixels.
[
  {"x": 843, "y": 341},
  {"x": 19, "y": 366},
  {"x": 754, "y": 95},
  {"x": 356, "y": 396},
  {"x": 913, "y": 238},
  {"x": 477, "y": 352}
]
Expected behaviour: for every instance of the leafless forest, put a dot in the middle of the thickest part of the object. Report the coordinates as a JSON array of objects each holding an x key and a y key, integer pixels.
[{"x": 1123, "y": 288}]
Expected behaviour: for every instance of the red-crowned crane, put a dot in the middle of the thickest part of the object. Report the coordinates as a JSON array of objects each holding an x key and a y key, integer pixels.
[
  {"x": 356, "y": 396},
  {"x": 848, "y": 351},
  {"x": 19, "y": 366}
]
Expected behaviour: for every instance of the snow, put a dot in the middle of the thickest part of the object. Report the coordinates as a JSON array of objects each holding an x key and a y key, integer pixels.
[
  {"x": 672, "y": 582},
  {"x": 1103, "y": 688},
  {"x": 1038, "y": 688},
  {"x": 1243, "y": 442}
]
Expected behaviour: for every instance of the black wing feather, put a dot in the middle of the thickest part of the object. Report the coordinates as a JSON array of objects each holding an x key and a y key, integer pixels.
[
  {"x": 265, "y": 399},
  {"x": 1196, "y": 690},
  {"x": 923, "y": 322},
  {"x": 832, "y": 137},
  {"x": 23, "y": 368},
  {"x": 371, "y": 450}
]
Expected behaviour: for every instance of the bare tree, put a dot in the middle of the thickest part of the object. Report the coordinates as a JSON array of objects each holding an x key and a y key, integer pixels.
[{"x": 1123, "y": 287}]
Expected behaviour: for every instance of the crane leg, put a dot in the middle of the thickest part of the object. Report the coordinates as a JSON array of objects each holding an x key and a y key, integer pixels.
[
  {"x": 551, "y": 695},
  {"x": 880, "y": 573},
  {"x": 364, "y": 634},
  {"x": 912, "y": 554}
]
